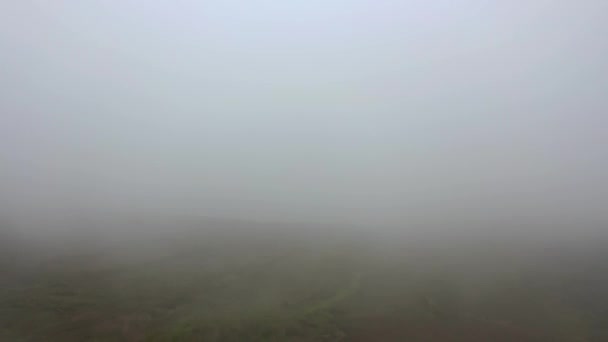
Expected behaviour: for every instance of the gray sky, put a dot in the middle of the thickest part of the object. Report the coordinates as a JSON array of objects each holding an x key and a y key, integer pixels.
[{"x": 358, "y": 110}]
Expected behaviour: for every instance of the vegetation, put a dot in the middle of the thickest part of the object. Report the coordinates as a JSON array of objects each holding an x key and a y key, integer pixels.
[{"x": 248, "y": 287}]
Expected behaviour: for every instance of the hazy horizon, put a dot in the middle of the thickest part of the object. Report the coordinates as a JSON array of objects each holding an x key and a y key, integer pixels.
[{"x": 357, "y": 112}]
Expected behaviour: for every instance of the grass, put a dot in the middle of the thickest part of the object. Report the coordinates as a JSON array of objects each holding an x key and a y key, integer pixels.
[{"x": 253, "y": 289}]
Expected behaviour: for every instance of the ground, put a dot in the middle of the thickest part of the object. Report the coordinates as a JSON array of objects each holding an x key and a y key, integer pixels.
[{"x": 258, "y": 287}]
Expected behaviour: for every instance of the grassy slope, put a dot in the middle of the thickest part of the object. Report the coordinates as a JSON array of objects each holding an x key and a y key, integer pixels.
[{"x": 268, "y": 289}]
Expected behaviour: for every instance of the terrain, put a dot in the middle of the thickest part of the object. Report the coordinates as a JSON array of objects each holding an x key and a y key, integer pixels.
[{"x": 248, "y": 283}]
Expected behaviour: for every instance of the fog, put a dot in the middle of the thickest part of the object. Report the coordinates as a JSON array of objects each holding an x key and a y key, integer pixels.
[
  {"x": 304, "y": 171},
  {"x": 357, "y": 112}
]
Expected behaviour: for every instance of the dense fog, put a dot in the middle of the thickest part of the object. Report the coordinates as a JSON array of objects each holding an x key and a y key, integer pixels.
[
  {"x": 368, "y": 112},
  {"x": 336, "y": 170}
]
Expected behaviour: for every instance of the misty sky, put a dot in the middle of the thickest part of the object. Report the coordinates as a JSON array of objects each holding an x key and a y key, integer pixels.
[{"x": 353, "y": 110}]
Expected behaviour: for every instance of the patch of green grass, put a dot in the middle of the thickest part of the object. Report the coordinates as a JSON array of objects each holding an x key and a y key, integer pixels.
[{"x": 282, "y": 292}]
